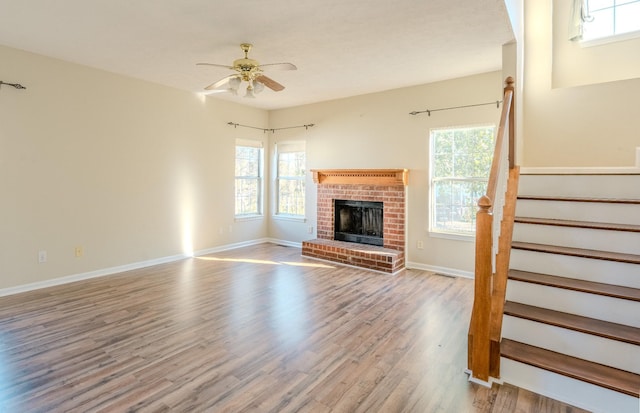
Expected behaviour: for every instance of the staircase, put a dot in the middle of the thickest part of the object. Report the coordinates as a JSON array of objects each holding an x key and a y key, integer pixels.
[{"x": 571, "y": 327}]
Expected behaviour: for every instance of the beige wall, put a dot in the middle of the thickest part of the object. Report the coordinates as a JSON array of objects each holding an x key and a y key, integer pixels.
[
  {"x": 580, "y": 105},
  {"x": 129, "y": 170},
  {"x": 376, "y": 131}
]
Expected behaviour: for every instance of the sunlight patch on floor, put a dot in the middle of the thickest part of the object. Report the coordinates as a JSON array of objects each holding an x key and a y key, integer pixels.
[{"x": 254, "y": 261}]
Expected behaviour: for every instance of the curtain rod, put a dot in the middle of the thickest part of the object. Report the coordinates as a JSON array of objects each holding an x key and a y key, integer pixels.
[
  {"x": 16, "y": 85},
  {"x": 272, "y": 130},
  {"x": 428, "y": 111}
]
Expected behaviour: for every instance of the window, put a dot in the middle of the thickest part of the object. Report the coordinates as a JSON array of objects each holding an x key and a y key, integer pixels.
[
  {"x": 607, "y": 18},
  {"x": 460, "y": 165},
  {"x": 291, "y": 160},
  {"x": 249, "y": 159}
]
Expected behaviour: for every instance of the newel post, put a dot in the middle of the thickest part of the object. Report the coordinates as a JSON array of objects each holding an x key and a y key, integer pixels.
[
  {"x": 512, "y": 121},
  {"x": 479, "y": 337}
]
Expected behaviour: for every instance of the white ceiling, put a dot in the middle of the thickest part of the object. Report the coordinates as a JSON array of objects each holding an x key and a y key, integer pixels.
[{"x": 341, "y": 47}]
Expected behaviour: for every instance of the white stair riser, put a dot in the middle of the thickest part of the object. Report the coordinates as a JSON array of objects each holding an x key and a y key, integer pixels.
[
  {"x": 601, "y": 350},
  {"x": 589, "y": 186},
  {"x": 579, "y": 211},
  {"x": 602, "y": 271},
  {"x": 574, "y": 302},
  {"x": 593, "y": 239},
  {"x": 574, "y": 392}
]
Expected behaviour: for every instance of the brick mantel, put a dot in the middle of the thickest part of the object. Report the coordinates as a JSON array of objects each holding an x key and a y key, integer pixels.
[{"x": 361, "y": 176}]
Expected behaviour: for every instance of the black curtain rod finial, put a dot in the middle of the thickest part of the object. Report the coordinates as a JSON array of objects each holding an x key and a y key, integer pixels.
[{"x": 16, "y": 85}]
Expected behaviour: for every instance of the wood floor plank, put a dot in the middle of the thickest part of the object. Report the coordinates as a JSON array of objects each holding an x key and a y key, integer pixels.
[{"x": 254, "y": 329}]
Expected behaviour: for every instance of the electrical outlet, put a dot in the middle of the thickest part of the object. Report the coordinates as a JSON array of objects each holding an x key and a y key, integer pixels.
[
  {"x": 42, "y": 256},
  {"x": 310, "y": 230},
  {"x": 79, "y": 252},
  {"x": 419, "y": 245}
]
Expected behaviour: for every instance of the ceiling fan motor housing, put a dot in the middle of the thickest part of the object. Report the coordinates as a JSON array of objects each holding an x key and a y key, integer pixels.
[{"x": 248, "y": 68}]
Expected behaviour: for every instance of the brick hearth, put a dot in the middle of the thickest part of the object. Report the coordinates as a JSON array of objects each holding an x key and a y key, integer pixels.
[
  {"x": 386, "y": 186},
  {"x": 358, "y": 255}
]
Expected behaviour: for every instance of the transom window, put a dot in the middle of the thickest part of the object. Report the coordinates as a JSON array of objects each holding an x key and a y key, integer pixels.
[
  {"x": 460, "y": 165},
  {"x": 249, "y": 160},
  {"x": 291, "y": 164},
  {"x": 608, "y": 18}
]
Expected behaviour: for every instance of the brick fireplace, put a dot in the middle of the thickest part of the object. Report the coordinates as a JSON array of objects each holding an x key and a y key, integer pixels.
[{"x": 373, "y": 185}]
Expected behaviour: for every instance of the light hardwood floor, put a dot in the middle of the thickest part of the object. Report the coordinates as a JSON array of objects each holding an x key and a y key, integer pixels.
[{"x": 254, "y": 329}]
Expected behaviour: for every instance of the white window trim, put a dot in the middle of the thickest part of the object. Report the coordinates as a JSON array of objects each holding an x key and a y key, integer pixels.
[
  {"x": 431, "y": 232},
  {"x": 452, "y": 236},
  {"x": 276, "y": 186},
  {"x": 289, "y": 217},
  {"x": 610, "y": 39},
  {"x": 260, "y": 214},
  {"x": 248, "y": 217},
  {"x": 597, "y": 41}
]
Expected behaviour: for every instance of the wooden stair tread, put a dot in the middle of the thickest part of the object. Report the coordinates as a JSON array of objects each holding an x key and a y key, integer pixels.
[
  {"x": 579, "y": 199},
  {"x": 577, "y": 252},
  {"x": 587, "y": 371},
  {"x": 609, "y": 290},
  {"x": 578, "y": 224},
  {"x": 600, "y": 328}
]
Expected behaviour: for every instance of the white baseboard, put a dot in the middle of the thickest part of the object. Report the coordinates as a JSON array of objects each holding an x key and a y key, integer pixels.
[
  {"x": 88, "y": 275},
  {"x": 453, "y": 272},
  {"x": 228, "y": 247},
  {"x": 488, "y": 383},
  {"x": 132, "y": 266},
  {"x": 284, "y": 242}
]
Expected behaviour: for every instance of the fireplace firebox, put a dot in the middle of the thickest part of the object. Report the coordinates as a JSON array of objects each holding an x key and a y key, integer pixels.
[{"x": 359, "y": 221}]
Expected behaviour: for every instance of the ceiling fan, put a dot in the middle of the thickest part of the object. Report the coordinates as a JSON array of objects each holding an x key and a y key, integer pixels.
[{"x": 248, "y": 70}]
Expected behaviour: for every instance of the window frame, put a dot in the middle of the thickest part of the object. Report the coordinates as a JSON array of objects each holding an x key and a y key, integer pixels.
[
  {"x": 289, "y": 147},
  {"x": 433, "y": 229},
  {"x": 609, "y": 38},
  {"x": 258, "y": 178}
]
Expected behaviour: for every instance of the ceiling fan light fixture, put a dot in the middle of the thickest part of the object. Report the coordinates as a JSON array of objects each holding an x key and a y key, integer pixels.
[
  {"x": 234, "y": 83},
  {"x": 257, "y": 87},
  {"x": 249, "y": 93}
]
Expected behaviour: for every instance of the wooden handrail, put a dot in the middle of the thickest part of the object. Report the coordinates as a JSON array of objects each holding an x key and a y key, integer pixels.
[
  {"x": 505, "y": 116},
  {"x": 494, "y": 229}
]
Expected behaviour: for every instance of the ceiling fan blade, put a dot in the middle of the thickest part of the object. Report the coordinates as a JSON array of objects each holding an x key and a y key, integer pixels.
[
  {"x": 278, "y": 66},
  {"x": 220, "y": 82},
  {"x": 215, "y": 65},
  {"x": 270, "y": 83}
]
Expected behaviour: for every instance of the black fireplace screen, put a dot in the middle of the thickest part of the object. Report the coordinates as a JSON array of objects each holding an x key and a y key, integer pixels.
[{"x": 358, "y": 221}]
